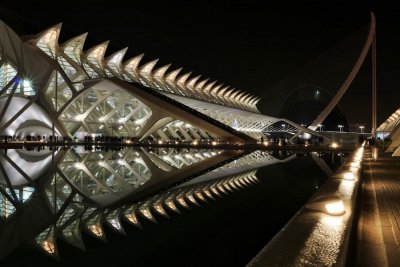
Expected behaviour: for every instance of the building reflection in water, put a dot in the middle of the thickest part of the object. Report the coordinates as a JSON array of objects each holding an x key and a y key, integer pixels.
[{"x": 64, "y": 192}]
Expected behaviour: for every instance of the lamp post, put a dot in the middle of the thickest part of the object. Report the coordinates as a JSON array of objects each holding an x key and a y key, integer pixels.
[
  {"x": 340, "y": 127},
  {"x": 362, "y": 128},
  {"x": 321, "y": 127}
]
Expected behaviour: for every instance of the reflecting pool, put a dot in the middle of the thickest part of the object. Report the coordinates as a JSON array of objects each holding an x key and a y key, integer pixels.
[{"x": 150, "y": 206}]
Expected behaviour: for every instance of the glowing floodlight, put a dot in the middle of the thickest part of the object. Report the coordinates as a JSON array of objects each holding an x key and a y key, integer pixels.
[
  {"x": 49, "y": 246},
  {"x": 80, "y": 117},
  {"x": 27, "y": 84}
]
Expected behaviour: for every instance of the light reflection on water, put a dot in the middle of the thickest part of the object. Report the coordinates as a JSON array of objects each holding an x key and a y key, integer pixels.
[{"x": 80, "y": 190}]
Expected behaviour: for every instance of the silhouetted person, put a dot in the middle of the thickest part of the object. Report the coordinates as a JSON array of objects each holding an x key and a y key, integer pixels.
[{"x": 372, "y": 141}]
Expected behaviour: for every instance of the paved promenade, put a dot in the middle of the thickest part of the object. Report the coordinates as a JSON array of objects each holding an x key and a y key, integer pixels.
[{"x": 378, "y": 229}]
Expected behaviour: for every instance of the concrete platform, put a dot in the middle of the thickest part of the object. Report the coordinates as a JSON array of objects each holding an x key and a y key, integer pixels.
[{"x": 314, "y": 236}]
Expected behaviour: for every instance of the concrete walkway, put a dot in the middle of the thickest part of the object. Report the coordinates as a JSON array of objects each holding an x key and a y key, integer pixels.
[{"x": 378, "y": 228}]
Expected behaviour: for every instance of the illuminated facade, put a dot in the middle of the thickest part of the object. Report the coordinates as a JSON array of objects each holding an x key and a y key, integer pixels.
[
  {"x": 57, "y": 89},
  {"x": 391, "y": 129}
]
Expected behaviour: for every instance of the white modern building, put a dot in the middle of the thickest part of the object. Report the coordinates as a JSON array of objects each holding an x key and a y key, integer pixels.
[
  {"x": 52, "y": 89},
  {"x": 390, "y": 129}
]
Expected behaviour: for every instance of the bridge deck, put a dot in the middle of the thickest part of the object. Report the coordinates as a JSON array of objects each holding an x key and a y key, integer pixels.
[{"x": 378, "y": 229}]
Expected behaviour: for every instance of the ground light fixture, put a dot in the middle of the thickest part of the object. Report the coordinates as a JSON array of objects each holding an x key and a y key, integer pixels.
[
  {"x": 334, "y": 145},
  {"x": 355, "y": 164},
  {"x": 349, "y": 176},
  {"x": 353, "y": 169},
  {"x": 332, "y": 205}
]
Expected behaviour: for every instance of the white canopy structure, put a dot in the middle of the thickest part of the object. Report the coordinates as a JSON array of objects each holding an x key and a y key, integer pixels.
[{"x": 391, "y": 129}]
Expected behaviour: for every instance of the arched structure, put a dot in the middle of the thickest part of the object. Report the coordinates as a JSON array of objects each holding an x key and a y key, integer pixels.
[{"x": 330, "y": 75}]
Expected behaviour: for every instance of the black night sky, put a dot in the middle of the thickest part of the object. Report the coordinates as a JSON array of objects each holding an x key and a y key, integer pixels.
[{"x": 249, "y": 45}]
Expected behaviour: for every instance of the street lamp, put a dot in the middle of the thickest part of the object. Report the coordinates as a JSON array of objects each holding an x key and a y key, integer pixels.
[
  {"x": 321, "y": 127},
  {"x": 362, "y": 128},
  {"x": 340, "y": 127}
]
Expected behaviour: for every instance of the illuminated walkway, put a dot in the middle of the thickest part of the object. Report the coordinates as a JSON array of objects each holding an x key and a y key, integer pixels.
[{"x": 378, "y": 233}]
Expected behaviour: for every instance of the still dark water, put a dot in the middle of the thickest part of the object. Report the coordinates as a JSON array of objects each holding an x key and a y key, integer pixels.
[{"x": 227, "y": 231}]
